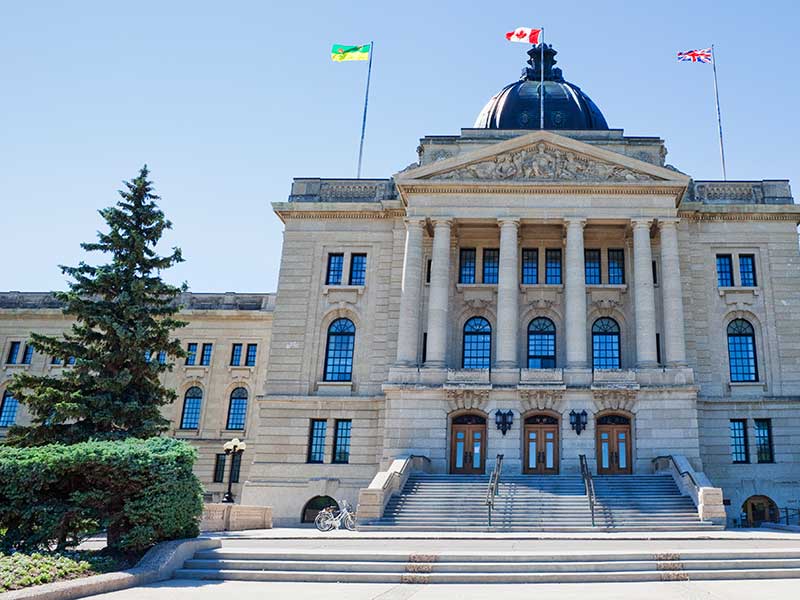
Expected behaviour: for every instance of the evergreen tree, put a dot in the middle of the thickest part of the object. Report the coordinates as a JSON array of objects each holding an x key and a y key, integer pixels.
[{"x": 124, "y": 315}]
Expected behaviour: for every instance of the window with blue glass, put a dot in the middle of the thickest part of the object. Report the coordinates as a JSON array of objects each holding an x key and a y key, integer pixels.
[
  {"x": 724, "y": 270},
  {"x": 55, "y": 360},
  {"x": 205, "y": 357},
  {"x": 236, "y": 467},
  {"x": 764, "y": 450},
  {"x": 605, "y": 344},
  {"x": 8, "y": 410},
  {"x": 192, "y": 402},
  {"x": 341, "y": 441},
  {"x": 13, "y": 353},
  {"x": 70, "y": 360},
  {"x": 250, "y": 357},
  {"x": 466, "y": 269},
  {"x": 27, "y": 356},
  {"x": 541, "y": 344},
  {"x": 339, "y": 350},
  {"x": 148, "y": 354},
  {"x": 530, "y": 266},
  {"x": 477, "y": 344},
  {"x": 591, "y": 261},
  {"x": 616, "y": 266},
  {"x": 237, "y": 409},
  {"x": 747, "y": 270},
  {"x": 162, "y": 357},
  {"x": 335, "y": 267},
  {"x": 552, "y": 266},
  {"x": 742, "y": 351},
  {"x": 316, "y": 441},
  {"x": 236, "y": 355},
  {"x": 191, "y": 354},
  {"x": 358, "y": 269},
  {"x": 491, "y": 265},
  {"x": 740, "y": 452},
  {"x": 219, "y": 468}
]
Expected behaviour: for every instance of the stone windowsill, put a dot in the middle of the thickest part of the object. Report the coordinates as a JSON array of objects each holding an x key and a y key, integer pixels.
[
  {"x": 476, "y": 286},
  {"x": 359, "y": 289},
  {"x": 747, "y": 389},
  {"x": 746, "y": 384},
  {"x": 738, "y": 288},
  {"x": 739, "y": 295},
  {"x": 468, "y": 377},
  {"x": 16, "y": 366},
  {"x": 196, "y": 368},
  {"x": 557, "y": 287},
  {"x": 233, "y": 433},
  {"x": 621, "y": 287},
  {"x": 614, "y": 376},
  {"x": 541, "y": 376},
  {"x": 241, "y": 369},
  {"x": 187, "y": 433},
  {"x": 335, "y": 388}
]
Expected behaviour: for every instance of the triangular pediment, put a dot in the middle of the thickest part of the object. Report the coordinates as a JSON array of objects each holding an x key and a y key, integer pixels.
[{"x": 541, "y": 156}]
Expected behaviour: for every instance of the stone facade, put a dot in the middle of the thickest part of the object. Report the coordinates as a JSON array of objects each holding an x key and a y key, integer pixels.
[{"x": 510, "y": 192}]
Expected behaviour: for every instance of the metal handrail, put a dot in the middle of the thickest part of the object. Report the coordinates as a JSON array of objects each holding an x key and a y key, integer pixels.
[
  {"x": 588, "y": 483},
  {"x": 677, "y": 468},
  {"x": 493, "y": 488}
]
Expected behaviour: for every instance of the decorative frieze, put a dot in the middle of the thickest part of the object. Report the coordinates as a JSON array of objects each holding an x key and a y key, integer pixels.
[
  {"x": 467, "y": 398},
  {"x": 614, "y": 398},
  {"x": 541, "y": 399}
]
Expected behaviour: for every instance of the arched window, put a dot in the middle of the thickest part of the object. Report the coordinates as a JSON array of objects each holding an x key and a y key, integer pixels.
[
  {"x": 339, "y": 351},
  {"x": 8, "y": 410},
  {"x": 192, "y": 401},
  {"x": 605, "y": 344},
  {"x": 477, "y": 344},
  {"x": 237, "y": 409},
  {"x": 742, "y": 351},
  {"x": 541, "y": 344}
]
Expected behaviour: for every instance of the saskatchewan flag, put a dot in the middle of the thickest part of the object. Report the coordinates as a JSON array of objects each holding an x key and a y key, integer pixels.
[{"x": 340, "y": 52}]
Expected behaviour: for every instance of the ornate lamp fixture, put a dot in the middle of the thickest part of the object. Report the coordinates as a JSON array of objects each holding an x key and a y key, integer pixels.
[
  {"x": 504, "y": 420},
  {"x": 578, "y": 421},
  {"x": 233, "y": 448}
]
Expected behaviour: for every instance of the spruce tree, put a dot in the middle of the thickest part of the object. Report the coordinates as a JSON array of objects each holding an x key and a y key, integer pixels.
[{"x": 124, "y": 315}]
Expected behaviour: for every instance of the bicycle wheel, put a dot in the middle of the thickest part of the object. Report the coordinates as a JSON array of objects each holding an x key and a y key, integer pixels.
[
  {"x": 349, "y": 522},
  {"x": 324, "y": 521}
]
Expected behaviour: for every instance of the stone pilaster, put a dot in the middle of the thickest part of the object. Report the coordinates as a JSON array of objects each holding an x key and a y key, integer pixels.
[
  {"x": 508, "y": 295},
  {"x": 644, "y": 294},
  {"x": 674, "y": 342},
  {"x": 410, "y": 298},
  {"x": 575, "y": 294},
  {"x": 439, "y": 295}
]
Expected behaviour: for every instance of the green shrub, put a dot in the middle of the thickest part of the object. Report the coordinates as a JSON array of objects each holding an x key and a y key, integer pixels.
[
  {"x": 140, "y": 491},
  {"x": 20, "y": 570}
]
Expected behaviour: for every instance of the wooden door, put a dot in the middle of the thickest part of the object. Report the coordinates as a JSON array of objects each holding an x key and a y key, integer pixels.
[
  {"x": 613, "y": 445},
  {"x": 468, "y": 448},
  {"x": 541, "y": 445}
]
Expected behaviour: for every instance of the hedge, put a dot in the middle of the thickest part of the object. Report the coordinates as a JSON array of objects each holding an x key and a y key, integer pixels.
[
  {"x": 140, "y": 491},
  {"x": 20, "y": 570}
]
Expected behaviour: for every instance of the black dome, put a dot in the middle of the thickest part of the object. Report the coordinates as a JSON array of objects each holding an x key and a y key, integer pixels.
[{"x": 516, "y": 106}]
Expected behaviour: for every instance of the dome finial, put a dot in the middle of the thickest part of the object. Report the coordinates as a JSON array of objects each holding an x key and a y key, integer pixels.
[{"x": 551, "y": 73}]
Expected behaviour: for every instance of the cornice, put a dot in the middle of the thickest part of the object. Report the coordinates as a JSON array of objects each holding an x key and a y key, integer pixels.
[
  {"x": 393, "y": 213},
  {"x": 737, "y": 216},
  {"x": 570, "y": 188}
]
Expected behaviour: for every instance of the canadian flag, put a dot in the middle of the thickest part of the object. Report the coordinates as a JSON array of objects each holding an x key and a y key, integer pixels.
[{"x": 526, "y": 35}]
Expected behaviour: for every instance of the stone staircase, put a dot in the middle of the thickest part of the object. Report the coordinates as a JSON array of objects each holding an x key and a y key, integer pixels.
[
  {"x": 376, "y": 566},
  {"x": 551, "y": 503}
]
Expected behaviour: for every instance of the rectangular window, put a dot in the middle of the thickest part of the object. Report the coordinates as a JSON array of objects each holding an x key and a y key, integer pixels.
[
  {"x": 655, "y": 273},
  {"x": 162, "y": 357},
  {"x": 205, "y": 358},
  {"x": 236, "y": 355},
  {"x": 591, "y": 259},
  {"x": 739, "y": 450},
  {"x": 552, "y": 271},
  {"x": 724, "y": 270},
  {"x": 70, "y": 360},
  {"x": 424, "y": 347},
  {"x": 236, "y": 467},
  {"x": 191, "y": 353},
  {"x": 658, "y": 348},
  {"x": 764, "y": 441},
  {"x": 219, "y": 468},
  {"x": 13, "y": 353},
  {"x": 358, "y": 269},
  {"x": 530, "y": 266},
  {"x": 27, "y": 356},
  {"x": 55, "y": 361},
  {"x": 250, "y": 359},
  {"x": 491, "y": 265},
  {"x": 341, "y": 441},
  {"x": 466, "y": 271},
  {"x": 335, "y": 266},
  {"x": 8, "y": 410},
  {"x": 616, "y": 266},
  {"x": 428, "y": 271},
  {"x": 747, "y": 270},
  {"x": 316, "y": 441}
]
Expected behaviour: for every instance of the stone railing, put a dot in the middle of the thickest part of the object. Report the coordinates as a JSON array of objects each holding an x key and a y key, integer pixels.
[
  {"x": 706, "y": 497},
  {"x": 235, "y": 517},
  {"x": 372, "y": 500},
  {"x": 342, "y": 190},
  {"x": 742, "y": 192}
]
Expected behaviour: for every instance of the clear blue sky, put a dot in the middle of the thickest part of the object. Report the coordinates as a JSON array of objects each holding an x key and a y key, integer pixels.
[{"x": 227, "y": 101}]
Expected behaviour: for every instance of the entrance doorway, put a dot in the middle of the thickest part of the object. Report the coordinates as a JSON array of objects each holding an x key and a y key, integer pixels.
[
  {"x": 759, "y": 509},
  {"x": 468, "y": 445},
  {"x": 613, "y": 445},
  {"x": 541, "y": 445}
]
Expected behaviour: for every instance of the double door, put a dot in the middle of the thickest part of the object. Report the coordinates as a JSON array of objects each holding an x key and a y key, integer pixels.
[
  {"x": 541, "y": 449},
  {"x": 613, "y": 448},
  {"x": 468, "y": 448}
]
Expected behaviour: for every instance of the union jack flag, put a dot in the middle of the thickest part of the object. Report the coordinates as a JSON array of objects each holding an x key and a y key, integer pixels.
[{"x": 702, "y": 56}]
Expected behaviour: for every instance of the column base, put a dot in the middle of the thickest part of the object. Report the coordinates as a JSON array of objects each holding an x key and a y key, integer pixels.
[
  {"x": 647, "y": 364},
  {"x": 434, "y": 364}
]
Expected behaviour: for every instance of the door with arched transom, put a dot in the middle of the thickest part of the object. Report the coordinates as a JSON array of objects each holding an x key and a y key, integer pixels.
[
  {"x": 468, "y": 445},
  {"x": 541, "y": 445},
  {"x": 613, "y": 445}
]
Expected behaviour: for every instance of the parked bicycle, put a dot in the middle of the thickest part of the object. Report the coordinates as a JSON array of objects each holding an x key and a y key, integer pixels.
[{"x": 334, "y": 518}]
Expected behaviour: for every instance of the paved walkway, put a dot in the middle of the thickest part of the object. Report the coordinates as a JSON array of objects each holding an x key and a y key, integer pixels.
[{"x": 176, "y": 589}]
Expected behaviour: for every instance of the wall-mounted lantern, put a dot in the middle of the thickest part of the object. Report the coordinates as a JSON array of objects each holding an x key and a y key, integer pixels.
[
  {"x": 504, "y": 420},
  {"x": 578, "y": 421}
]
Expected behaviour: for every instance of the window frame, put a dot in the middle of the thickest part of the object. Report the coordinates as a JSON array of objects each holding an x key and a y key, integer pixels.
[
  {"x": 191, "y": 354},
  {"x": 529, "y": 267},
  {"x": 752, "y": 275},
  {"x": 27, "y": 354},
  {"x": 764, "y": 442},
  {"x": 316, "y": 443},
  {"x": 751, "y": 337},
  {"x": 620, "y": 261},
  {"x": 343, "y": 439},
  {"x": 542, "y": 332},
  {"x": 236, "y": 354},
  {"x": 611, "y": 334},
  {"x": 329, "y": 375},
  {"x": 206, "y": 354},
  {"x": 735, "y": 448},
  {"x": 250, "y": 358},
  {"x": 362, "y": 279},
  {"x": 13, "y": 352},
  {"x": 592, "y": 266},
  {"x": 724, "y": 277},
  {"x": 550, "y": 266},
  {"x": 199, "y": 411},
  {"x": 220, "y": 460},
  {"x": 467, "y": 267},
  {"x": 330, "y": 271},
  {"x": 490, "y": 269},
  {"x": 239, "y": 413},
  {"x": 475, "y": 334},
  {"x": 5, "y": 411}
]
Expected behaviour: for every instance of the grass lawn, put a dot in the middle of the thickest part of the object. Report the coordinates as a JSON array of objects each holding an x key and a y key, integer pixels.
[{"x": 20, "y": 570}]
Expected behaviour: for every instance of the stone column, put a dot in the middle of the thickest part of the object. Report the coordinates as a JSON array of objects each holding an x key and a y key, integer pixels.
[
  {"x": 674, "y": 343},
  {"x": 575, "y": 294},
  {"x": 508, "y": 295},
  {"x": 644, "y": 294},
  {"x": 439, "y": 295},
  {"x": 410, "y": 298}
]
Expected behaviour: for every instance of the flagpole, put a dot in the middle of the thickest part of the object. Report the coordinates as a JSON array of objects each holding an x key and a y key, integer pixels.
[
  {"x": 719, "y": 116},
  {"x": 541, "y": 81},
  {"x": 366, "y": 101}
]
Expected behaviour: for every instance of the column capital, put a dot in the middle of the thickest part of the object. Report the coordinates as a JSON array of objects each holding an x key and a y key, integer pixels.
[
  {"x": 641, "y": 222},
  {"x": 575, "y": 222},
  {"x": 508, "y": 222},
  {"x": 667, "y": 222},
  {"x": 442, "y": 221},
  {"x": 415, "y": 221}
]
